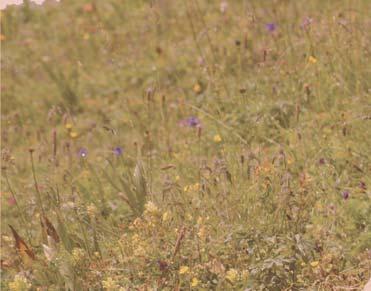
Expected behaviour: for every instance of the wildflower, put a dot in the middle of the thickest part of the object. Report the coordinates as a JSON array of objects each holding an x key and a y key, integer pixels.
[
  {"x": 73, "y": 134},
  {"x": 151, "y": 208},
  {"x": 20, "y": 283},
  {"x": 245, "y": 275},
  {"x": 191, "y": 122},
  {"x": 232, "y": 275},
  {"x": 162, "y": 265},
  {"x": 306, "y": 23},
  {"x": 202, "y": 233},
  {"x": 312, "y": 60},
  {"x": 362, "y": 185},
  {"x": 68, "y": 126},
  {"x": 217, "y": 138},
  {"x": 345, "y": 194},
  {"x": 183, "y": 270},
  {"x": 314, "y": 264},
  {"x": 197, "y": 88},
  {"x": 195, "y": 282},
  {"x": 110, "y": 284},
  {"x": 140, "y": 250},
  {"x": 12, "y": 201},
  {"x": 166, "y": 216},
  {"x": 322, "y": 161},
  {"x": 83, "y": 152},
  {"x": 118, "y": 151},
  {"x": 78, "y": 255},
  {"x": 271, "y": 27},
  {"x": 92, "y": 210}
]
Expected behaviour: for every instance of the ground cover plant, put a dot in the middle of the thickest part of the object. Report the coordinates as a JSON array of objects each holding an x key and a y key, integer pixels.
[{"x": 186, "y": 145}]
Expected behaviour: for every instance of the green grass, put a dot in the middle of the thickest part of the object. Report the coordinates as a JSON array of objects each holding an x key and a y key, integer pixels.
[{"x": 256, "y": 197}]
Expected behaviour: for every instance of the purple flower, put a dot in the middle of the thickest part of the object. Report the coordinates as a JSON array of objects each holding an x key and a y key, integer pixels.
[
  {"x": 362, "y": 185},
  {"x": 306, "y": 22},
  {"x": 118, "y": 151},
  {"x": 322, "y": 161},
  {"x": 83, "y": 152},
  {"x": 271, "y": 27},
  {"x": 191, "y": 122},
  {"x": 345, "y": 194}
]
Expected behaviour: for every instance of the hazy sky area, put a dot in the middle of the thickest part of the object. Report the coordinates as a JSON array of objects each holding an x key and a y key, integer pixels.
[{"x": 4, "y": 3}]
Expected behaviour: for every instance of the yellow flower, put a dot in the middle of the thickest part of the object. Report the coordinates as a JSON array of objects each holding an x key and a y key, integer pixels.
[
  {"x": 312, "y": 60},
  {"x": 314, "y": 264},
  {"x": 189, "y": 217},
  {"x": 73, "y": 134},
  {"x": 245, "y": 275},
  {"x": 202, "y": 233},
  {"x": 217, "y": 138},
  {"x": 68, "y": 126},
  {"x": 92, "y": 210},
  {"x": 20, "y": 283},
  {"x": 195, "y": 282},
  {"x": 151, "y": 208},
  {"x": 78, "y": 255},
  {"x": 232, "y": 275},
  {"x": 183, "y": 270},
  {"x": 166, "y": 216},
  {"x": 197, "y": 88},
  {"x": 140, "y": 250},
  {"x": 110, "y": 284}
]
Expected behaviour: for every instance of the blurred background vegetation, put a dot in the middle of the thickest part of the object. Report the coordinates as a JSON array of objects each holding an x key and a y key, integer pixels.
[{"x": 186, "y": 145}]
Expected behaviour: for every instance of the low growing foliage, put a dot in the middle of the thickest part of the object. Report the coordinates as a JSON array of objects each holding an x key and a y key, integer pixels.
[{"x": 186, "y": 145}]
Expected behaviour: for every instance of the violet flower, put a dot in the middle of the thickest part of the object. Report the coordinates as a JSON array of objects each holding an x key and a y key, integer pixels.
[
  {"x": 345, "y": 194},
  {"x": 191, "y": 122},
  {"x": 118, "y": 151},
  {"x": 271, "y": 27},
  {"x": 83, "y": 152}
]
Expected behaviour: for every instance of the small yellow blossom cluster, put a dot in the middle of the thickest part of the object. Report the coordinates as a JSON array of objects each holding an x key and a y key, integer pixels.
[
  {"x": 92, "y": 210},
  {"x": 192, "y": 188},
  {"x": 78, "y": 256},
  {"x": 152, "y": 215},
  {"x": 185, "y": 271},
  {"x": 151, "y": 209},
  {"x": 109, "y": 284},
  {"x": 140, "y": 247},
  {"x": 71, "y": 132},
  {"x": 19, "y": 283},
  {"x": 217, "y": 138},
  {"x": 202, "y": 228}
]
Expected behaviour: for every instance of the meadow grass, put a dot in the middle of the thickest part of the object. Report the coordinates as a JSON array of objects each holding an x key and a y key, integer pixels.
[{"x": 186, "y": 145}]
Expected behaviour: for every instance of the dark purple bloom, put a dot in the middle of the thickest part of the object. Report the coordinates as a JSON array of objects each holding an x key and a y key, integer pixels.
[
  {"x": 83, "y": 152},
  {"x": 162, "y": 265},
  {"x": 271, "y": 27},
  {"x": 322, "y": 161},
  {"x": 191, "y": 122},
  {"x": 362, "y": 185},
  {"x": 345, "y": 194},
  {"x": 118, "y": 151}
]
